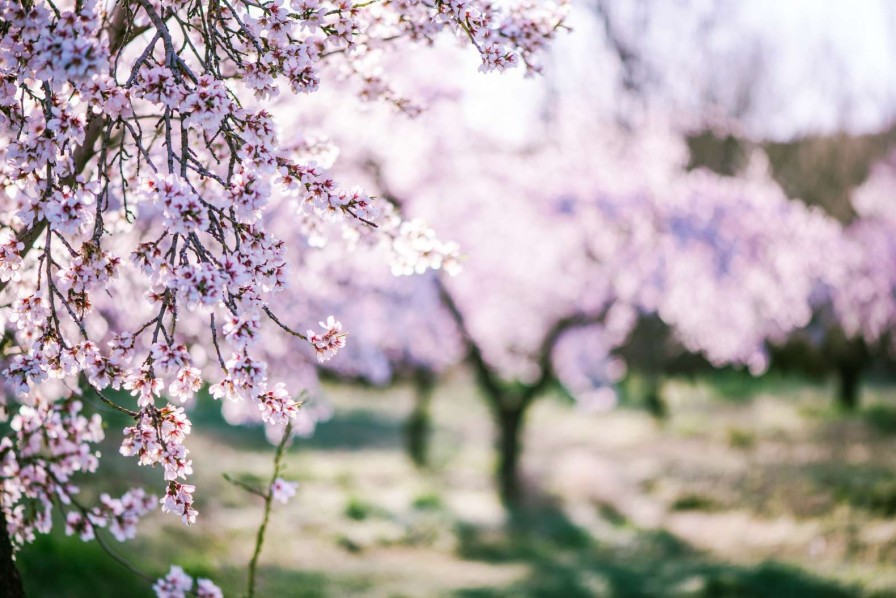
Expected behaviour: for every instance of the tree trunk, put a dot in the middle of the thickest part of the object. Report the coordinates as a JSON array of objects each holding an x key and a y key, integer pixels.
[
  {"x": 509, "y": 420},
  {"x": 848, "y": 390},
  {"x": 654, "y": 398},
  {"x": 10, "y": 580},
  {"x": 418, "y": 429}
]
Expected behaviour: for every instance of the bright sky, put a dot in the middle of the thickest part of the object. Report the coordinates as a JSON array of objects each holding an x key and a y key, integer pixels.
[
  {"x": 837, "y": 62},
  {"x": 801, "y": 66}
]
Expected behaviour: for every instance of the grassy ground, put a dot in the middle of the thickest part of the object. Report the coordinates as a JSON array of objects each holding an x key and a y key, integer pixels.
[{"x": 759, "y": 489}]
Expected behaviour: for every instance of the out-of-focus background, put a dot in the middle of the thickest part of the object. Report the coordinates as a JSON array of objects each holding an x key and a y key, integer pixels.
[{"x": 666, "y": 367}]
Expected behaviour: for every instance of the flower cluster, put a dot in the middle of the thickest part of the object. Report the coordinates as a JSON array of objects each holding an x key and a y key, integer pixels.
[
  {"x": 177, "y": 584},
  {"x": 329, "y": 341},
  {"x": 52, "y": 442},
  {"x": 417, "y": 249},
  {"x": 504, "y": 39},
  {"x": 276, "y": 406},
  {"x": 120, "y": 515},
  {"x": 184, "y": 212},
  {"x": 179, "y": 500},
  {"x": 10, "y": 258},
  {"x": 208, "y": 104},
  {"x": 158, "y": 437},
  {"x": 64, "y": 48},
  {"x": 318, "y": 194}
]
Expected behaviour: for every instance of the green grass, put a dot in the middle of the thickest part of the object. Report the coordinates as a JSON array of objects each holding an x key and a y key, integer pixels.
[
  {"x": 63, "y": 567},
  {"x": 739, "y": 385},
  {"x": 694, "y": 502},
  {"x": 428, "y": 502},
  {"x": 881, "y": 417},
  {"x": 359, "y": 510}
]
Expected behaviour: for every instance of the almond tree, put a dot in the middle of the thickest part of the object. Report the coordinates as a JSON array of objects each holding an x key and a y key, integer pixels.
[
  {"x": 596, "y": 231},
  {"x": 861, "y": 306},
  {"x": 151, "y": 200}
]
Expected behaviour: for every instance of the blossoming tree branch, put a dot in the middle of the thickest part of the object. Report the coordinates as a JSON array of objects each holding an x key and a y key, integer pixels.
[{"x": 143, "y": 168}]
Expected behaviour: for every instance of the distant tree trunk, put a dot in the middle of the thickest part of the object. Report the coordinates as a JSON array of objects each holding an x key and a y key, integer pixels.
[
  {"x": 849, "y": 378},
  {"x": 10, "y": 580},
  {"x": 418, "y": 429},
  {"x": 654, "y": 397},
  {"x": 509, "y": 419}
]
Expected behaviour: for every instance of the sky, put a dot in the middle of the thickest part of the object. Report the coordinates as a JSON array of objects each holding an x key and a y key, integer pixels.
[
  {"x": 784, "y": 68},
  {"x": 836, "y": 64}
]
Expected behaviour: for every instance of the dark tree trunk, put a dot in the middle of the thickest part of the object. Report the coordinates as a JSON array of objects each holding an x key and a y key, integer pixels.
[
  {"x": 509, "y": 419},
  {"x": 654, "y": 398},
  {"x": 418, "y": 429},
  {"x": 849, "y": 374},
  {"x": 10, "y": 580}
]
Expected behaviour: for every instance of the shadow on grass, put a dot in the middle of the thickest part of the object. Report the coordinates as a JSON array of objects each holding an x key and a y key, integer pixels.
[
  {"x": 275, "y": 581},
  {"x": 881, "y": 418},
  {"x": 565, "y": 560},
  {"x": 58, "y": 566},
  {"x": 358, "y": 429},
  {"x": 65, "y": 567},
  {"x": 869, "y": 487},
  {"x": 733, "y": 385}
]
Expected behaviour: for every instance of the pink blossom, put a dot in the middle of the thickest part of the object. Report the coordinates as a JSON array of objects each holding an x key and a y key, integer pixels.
[
  {"x": 205, "y": 588},
  {"x": 10, "y": 257},
  {"x": 176, "y": 584},
  {"x": 327, "y": 343},
  {"x": 207, "y": 103},
  {"x": 158, "y": 85},
  {"x": 179, "y": 500},
  {"x": 282, "y": 490}
]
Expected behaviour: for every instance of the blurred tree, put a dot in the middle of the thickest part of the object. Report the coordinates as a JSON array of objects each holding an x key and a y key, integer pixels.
[
  {"x": 606, "y": 228},
  {"x": 825, "y": 171}
]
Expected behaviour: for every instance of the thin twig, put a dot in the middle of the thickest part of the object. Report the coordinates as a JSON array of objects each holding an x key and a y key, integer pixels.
[
  {"x": 244, "y": 486},
  {"x": 259, "y": 540}
]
